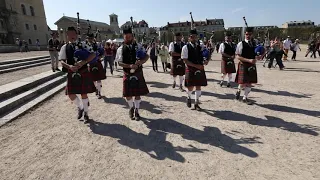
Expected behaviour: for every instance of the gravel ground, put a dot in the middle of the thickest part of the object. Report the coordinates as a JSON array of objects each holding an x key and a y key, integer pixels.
[
  {"x": 277, "y": 138},
  {"x": 18, "y": 55}
]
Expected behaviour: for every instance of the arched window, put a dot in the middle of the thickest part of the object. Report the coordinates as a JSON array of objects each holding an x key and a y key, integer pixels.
[
  {"x": 32, "y": 11},
  {"x": 35, "y": 27},
  {"x": 23, "y": 9},
  {"x": 30, "y": 42}
]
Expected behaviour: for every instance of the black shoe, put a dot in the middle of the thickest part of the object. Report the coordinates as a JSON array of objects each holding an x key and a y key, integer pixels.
[
  {"x": 58, "y": 69},
  {"x": 174, "y": 85},
  {"x": 181, "y": 89},
  {"x": 197, "y": 107},
  {"x": 131, "y": 112},
  {"x": 228, "y": 85},
  {"x": 189, "y": 102},
  {"x": 221, "y": 83},
  {"x": 99, "y": 95},
  {"x": 53, "y": 70},
  {"x": 80, "y": 113},
  {"x": 238, "y": 95},
  {"x": 248, "y": 102},
  {"x": 88, "y": 103},
  {"x": 137, "y": 115},
  {"x": 86, "y": 118}
]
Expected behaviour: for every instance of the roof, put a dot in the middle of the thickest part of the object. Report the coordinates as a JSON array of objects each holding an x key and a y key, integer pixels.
[
  {"x": 113, "y": 14},
  {"x": 135, "y": 24},
  {"x": 291, "y": 22},
  {"x": 94, "y": 23}
]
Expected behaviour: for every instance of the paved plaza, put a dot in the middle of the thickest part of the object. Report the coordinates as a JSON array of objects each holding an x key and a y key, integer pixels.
[{"x": 276, "y": 138}]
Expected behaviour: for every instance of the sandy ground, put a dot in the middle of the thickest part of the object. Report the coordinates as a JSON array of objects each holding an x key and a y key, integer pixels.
[
  {"x": 277, "y": 138},
  {"x": 18, "y": 55}
]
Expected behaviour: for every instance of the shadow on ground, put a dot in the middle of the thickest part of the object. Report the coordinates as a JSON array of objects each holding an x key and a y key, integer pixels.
[
  {"x": 270, "y": 122},
  {"x": 155, "y": 141},
  {"x": 209, "y": 135}
]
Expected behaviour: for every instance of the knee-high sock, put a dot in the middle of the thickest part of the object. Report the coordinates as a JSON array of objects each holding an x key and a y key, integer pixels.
[
  {"x": 229, "y": 77},
  {"x": 98, "y": 86},
  {"x": 223, "y": 76},
  {"x": 137, "y": 103},
  {"x": 246, "y": 92},
  {"x": 189, "y": 93},
  {"x": 78, "y": 103},
  {"x": 174, "y": 78},
  {"x": 197, "y": 95},
  {"x": 130, "y": 103},
  {"x": 181, "y": 79},
  {"x": 239, "y": 88},
  {"x": 85, "y": 103}
]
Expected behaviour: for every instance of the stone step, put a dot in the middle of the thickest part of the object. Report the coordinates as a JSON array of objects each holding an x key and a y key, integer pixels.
[
  {"x": 31, "y": 104},
  {"x": 22, "y": 60},
  {"x": 12, "y": 89},
  {"x": 19, "y": 64},
  {"x": 24, "y": 67},
  {"x": 16, "y": 101}
]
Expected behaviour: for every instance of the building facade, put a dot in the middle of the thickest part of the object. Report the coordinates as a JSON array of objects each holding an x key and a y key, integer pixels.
[
  {"x": 298, "y": 24},
  {"x": 23, "y": 19},
  {"x": 166, "y": 33},
  {"x": 140, "y": 29},
  {"x": 103, "y": 30}
]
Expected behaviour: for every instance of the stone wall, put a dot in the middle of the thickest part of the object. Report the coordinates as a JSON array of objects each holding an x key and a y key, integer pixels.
[{"x": 4, "y": 48}]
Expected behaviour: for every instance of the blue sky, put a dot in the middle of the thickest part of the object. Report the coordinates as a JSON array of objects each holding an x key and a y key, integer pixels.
[{"x": 158, "y": 13}]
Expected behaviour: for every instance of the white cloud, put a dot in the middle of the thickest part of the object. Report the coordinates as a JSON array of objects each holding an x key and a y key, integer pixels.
[{"x": 237, "y": 10}]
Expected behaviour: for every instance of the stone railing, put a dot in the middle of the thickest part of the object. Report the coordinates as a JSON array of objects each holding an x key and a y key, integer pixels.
[{"x": 7, "y": 48}]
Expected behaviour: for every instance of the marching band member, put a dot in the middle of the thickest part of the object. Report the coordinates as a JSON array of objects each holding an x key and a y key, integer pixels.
[
  {"x": 131, "y": 57},
  {"x": 247, "y": 71},
  {"x": 177, "y": 66},
  {"x": 96, "y": 68},
  {"x": 195, "y": 74},
  {"x": 227, "y": 50},
  {"x": 74, "y": 59}
]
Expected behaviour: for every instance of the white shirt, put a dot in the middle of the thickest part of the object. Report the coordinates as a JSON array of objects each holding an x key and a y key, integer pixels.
[
  {"x": 222, "y": 47},
  {"x": 240, "y": 47},
  {"x": 63, "y": 51},
  {"x": 119, "y": 57},
  {"x": 287, "y": 43},
  {"x": 296, "y": 46}
]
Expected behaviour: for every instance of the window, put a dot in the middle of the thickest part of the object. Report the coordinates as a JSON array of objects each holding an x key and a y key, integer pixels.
[
  {"x": 30, "y": 42},
  {"x": 1, "y": 24},
  {"x": 23, "y": 9},
  {"x": 27, "y": 26},
  {"x": 32, "y": 11},
  {"x": 35, "y": 27}
]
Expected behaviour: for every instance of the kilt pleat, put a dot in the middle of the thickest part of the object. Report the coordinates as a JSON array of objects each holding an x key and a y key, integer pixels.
[
  {"x": 192, "y": 80},
  {"x": 244, "y": 76},
  {"x": 178, "y": 68},
  {"x": 101, "y": 74},
  {"x": 140, "y": 90},
  {"x": 227, "y": 67},
  {"x": 84, "y": 85}
]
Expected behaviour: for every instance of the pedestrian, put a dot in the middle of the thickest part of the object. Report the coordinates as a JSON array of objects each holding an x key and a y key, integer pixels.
[
  {"x": 53, "y": 46},
  {"x": 164, "y": 55}
]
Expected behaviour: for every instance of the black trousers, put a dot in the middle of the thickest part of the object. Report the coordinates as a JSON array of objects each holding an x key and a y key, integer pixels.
[
  {"x": 278, "y": 59},
  {"x": 294, "y": 55},
  {"x": 155, "y": 63},
  {"x": 164, "y": 66}
]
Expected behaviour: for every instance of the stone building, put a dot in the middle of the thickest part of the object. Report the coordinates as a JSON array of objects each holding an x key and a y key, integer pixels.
[
  {"x": 166, "y": 33},
  {"x": 140, "y": 28},
  {"x": 105, "y": 31},
  {"x": 23, "y": 19},
  {"x": 298, "y": 24}
]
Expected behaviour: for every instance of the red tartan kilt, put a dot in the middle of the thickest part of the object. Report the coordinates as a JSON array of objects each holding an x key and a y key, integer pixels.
[
  {"x": 192, "y": 80},
  {"x": 101, "y": 74},
  {"x": 142, "y": 88},
  {"x": 83, "y": 86},
  {"x": 227, "y": 69},
  {"x": 244, "y": 76},
  {"x": 180, "y": 70}
]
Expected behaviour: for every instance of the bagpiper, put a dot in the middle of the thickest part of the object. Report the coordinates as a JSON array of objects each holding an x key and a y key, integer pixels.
[
  {"x": 74, "y": 57},
  {"x": 177, "y": 65},
  {"x": 131, "y": 57},
  {"x": 227, "y": 50},
  {"x": 247, "y": 70},
  {"x": 195, "y": 74},
  {"x": 96, "y": 68}
]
